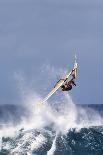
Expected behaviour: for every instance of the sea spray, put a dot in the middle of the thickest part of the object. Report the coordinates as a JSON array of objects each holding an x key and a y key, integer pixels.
[{"x": 38, "y": 133}]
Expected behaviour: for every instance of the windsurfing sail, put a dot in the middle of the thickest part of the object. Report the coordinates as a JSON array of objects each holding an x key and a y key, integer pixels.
[{"x": 62, "y": 81}]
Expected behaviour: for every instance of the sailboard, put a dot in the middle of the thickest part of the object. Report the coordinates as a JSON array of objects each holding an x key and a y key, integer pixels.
[{"x": 61, "y": 82}]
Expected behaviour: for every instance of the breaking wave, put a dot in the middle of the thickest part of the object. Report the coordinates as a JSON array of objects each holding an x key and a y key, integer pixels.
[{"x": 58, "y": 129}]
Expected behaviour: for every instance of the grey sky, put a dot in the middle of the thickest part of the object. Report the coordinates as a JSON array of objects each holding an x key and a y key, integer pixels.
[{"x": 38, "y": 32}]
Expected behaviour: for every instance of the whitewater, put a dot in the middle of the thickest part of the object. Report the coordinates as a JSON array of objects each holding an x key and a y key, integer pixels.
[
  {"x": 59, "y": 127},
  {"x": 50, "y": 127}
]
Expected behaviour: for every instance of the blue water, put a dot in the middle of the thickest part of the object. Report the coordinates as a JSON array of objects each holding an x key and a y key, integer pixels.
[{"x": 85, "y": 141}]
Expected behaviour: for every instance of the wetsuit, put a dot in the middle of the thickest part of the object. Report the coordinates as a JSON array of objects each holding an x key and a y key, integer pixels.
[{"x": 68, "y": 86}]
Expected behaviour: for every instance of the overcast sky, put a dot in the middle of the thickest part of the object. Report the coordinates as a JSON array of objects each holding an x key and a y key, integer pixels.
[{"x": 35, "y": 34}]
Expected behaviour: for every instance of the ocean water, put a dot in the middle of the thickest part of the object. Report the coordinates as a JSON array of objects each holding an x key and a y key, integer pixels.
[{"x": 58, "y": 129}]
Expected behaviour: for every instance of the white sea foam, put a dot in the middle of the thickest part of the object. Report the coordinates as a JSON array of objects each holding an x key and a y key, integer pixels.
[
  {"x": 53, "y": 147},
  {"x": 66, "y": 117}
]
